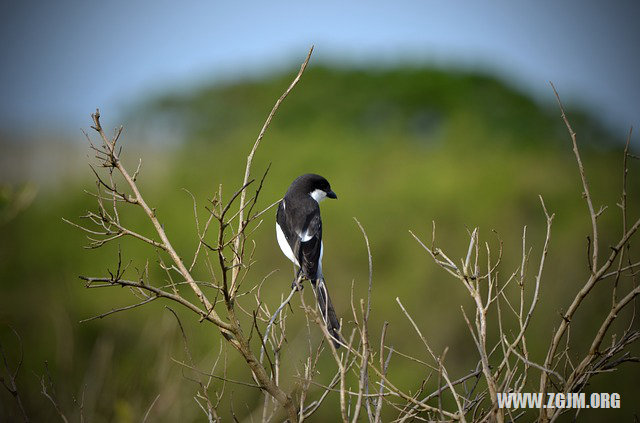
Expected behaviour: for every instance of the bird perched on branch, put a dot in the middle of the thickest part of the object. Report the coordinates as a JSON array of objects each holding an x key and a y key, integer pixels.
[{"x": 299, "y": 233}]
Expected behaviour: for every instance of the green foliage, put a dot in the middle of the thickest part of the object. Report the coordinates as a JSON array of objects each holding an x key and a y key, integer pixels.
[{"x": 401, "y": 147}]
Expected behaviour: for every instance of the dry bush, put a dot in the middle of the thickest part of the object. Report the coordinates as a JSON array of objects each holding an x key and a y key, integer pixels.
[{"x": 231, "y": 301}]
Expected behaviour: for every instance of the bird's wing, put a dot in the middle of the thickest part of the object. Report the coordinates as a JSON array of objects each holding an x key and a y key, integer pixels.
[
  {"x": 309, "y": 247},
  {"x": 286, "y": 235}
]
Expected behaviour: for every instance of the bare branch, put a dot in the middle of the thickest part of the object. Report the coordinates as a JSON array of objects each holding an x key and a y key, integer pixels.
[
  {"x": 116, "y": 310},
  {"x": 585, "y": 184}
]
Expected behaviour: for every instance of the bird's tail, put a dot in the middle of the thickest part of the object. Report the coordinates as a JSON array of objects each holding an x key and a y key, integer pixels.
[{"x": 327, "y": 311}]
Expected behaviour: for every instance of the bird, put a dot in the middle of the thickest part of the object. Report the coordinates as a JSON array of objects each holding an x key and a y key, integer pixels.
[{"x": 299, "y": 235}]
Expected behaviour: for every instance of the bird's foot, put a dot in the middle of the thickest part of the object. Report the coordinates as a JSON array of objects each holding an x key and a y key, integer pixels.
[{"x": 297, "y": 285}]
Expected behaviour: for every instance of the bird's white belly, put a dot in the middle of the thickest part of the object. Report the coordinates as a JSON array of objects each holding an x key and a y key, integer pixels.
[{"x": 320, "y": 259}]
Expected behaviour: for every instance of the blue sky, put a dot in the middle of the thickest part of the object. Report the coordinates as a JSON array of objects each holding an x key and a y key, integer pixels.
[{"x": 62, "y": 59}]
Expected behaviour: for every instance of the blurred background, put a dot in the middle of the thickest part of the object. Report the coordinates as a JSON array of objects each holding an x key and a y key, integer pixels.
[{"x": 415, "y": 112}]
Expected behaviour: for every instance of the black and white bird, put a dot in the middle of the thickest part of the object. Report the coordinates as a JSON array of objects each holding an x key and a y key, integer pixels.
[{"x": 299, "y": 233}]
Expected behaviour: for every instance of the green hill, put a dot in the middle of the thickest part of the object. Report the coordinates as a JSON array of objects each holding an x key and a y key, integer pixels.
[{"x": 420, "y": 103}]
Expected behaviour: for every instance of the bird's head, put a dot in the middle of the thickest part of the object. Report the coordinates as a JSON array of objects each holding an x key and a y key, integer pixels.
[{"x": 316, "y": 186}]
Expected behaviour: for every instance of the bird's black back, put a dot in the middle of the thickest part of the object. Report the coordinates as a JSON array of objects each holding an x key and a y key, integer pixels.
[{"x": 299, "y": 217}]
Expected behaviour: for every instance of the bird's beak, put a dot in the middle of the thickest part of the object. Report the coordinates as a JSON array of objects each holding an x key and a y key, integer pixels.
[{"x": 332, "y": 194}]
